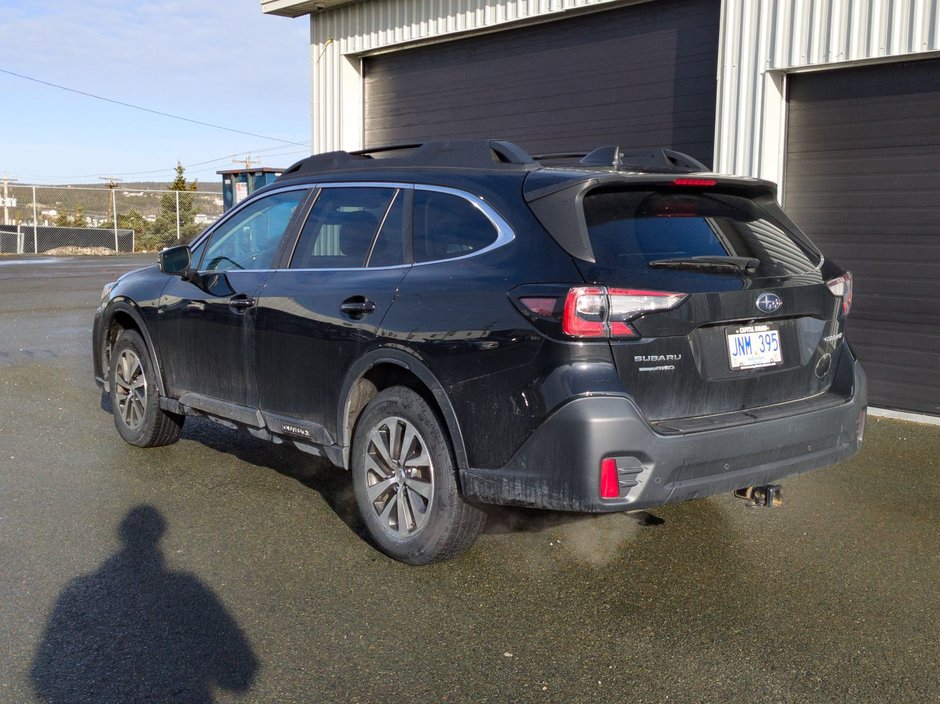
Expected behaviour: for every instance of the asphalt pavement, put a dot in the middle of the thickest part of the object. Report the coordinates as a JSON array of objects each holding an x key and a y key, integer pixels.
[{"x": 223, "y": 568}]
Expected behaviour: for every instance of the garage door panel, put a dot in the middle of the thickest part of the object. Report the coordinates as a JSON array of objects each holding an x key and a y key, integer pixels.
[
  {"x": 637, "y": 76},
  {"x": 919, "y": 276},
  {"x": 913, "y": 358},
  {"x": 895, "y": 309},
  {"x": 863, "y": 179},
  {"x": 881, "y": 133}
]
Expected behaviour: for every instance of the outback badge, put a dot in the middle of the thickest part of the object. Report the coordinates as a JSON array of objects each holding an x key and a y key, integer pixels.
[{"x": 769, "y": 302}]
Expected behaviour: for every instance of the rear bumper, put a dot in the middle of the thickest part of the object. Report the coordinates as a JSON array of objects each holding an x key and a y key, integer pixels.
[{"x": 558, "y": 467}]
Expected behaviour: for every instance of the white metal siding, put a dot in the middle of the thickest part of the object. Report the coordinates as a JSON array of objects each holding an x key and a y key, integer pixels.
[{"x": 761, "y": 40}]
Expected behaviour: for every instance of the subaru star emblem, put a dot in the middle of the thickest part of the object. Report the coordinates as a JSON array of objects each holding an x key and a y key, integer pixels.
[{"x": 768, "y": 302}]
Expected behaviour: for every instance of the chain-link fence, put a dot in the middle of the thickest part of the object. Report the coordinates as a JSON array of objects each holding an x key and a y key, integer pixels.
[{"x": 64, "y": 219}]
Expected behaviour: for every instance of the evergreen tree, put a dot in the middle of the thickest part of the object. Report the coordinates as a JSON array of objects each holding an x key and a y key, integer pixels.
[
  {"x": 79, "y": 219},
  {"x": 165, "y": 227}
]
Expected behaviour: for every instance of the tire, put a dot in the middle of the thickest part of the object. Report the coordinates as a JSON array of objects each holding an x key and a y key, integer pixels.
[
  {"x": 134, "y": 396},
  {"x": 404, "y": 478}
]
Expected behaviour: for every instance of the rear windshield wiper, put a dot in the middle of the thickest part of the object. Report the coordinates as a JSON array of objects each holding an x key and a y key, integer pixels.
[{"x": 709, "y": 263}]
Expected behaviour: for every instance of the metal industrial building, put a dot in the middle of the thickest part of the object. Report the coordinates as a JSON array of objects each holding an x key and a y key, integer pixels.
[{"x": 836, "y": 100}]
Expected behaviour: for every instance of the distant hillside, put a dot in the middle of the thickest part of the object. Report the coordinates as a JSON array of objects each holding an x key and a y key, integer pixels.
[
  {"x": 203, "y": 186},
  {"x": 93, "y": 203}
]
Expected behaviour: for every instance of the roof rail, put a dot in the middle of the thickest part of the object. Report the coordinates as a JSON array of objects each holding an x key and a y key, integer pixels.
[
  {"x": 464, "y": 153},
  {"x": 653, "y": 160}
]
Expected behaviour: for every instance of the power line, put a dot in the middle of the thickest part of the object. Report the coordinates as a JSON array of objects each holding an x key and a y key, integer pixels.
[
  {"x": 202, "y": 163},
  {"x": 154, "y": 112}
]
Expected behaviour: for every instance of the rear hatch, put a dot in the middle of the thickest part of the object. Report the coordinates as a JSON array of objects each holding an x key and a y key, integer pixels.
[{"x": 755, "y": 319}]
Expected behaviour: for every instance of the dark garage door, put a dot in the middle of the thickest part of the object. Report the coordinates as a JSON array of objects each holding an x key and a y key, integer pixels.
[
  {"x": 863, "y": 179},
  {"x": 637, "y": 76}
]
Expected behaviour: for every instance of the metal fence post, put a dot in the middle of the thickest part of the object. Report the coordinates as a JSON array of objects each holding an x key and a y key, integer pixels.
[
  {"x": 117, "y": 247},
  {"x": 177, "y": 215},
  {"x": 35, "y": 223}
]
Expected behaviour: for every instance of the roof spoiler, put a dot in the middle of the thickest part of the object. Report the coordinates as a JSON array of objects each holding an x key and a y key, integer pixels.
[{"x": 656, "y": 160}]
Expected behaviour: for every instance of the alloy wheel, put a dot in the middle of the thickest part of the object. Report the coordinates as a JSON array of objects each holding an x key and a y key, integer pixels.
[
  {"x": 399, "y": 477},
  {"x": 131, "y": 389}
]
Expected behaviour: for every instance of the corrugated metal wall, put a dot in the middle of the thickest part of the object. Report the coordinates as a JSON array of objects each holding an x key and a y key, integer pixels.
[
  {"x": 761, "y": 39},
  {"x": 339, "y": 36}
]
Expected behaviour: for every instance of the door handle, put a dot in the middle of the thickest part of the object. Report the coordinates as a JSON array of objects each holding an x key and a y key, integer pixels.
[
  {"x": 241, "y": 303},
  {"x": 357, "y": 306}
]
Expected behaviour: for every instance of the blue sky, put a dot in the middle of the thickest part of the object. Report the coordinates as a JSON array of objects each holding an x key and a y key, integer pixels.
[{"x": 215, "y": 61}]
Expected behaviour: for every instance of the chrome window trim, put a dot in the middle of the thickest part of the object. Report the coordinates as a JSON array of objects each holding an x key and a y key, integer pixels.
[
  {"x": 354, "y": 268},
  {"x": 504, "y": 233}
]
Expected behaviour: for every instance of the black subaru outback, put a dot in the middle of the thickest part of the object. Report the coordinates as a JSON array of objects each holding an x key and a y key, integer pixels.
[{"x": 460, "y": 323}]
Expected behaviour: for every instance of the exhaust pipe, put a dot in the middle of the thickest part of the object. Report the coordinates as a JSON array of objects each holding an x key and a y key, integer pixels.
[{"x": 768, "y": 495}]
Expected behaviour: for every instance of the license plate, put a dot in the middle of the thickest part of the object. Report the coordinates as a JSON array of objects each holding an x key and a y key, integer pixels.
[{"x": 754, "y": 346}]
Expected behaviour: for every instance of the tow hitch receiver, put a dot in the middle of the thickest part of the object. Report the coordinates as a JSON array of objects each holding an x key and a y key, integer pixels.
[{"x": 769, "y": 495}]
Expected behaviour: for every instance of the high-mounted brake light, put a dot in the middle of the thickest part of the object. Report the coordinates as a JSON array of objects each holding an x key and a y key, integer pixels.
[
  {"x": 699, "y": 182},
  {"x": 599, "y": 311},
  {"x": 842, "y": 286}
]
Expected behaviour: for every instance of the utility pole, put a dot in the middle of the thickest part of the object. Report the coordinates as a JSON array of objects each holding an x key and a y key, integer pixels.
[
  {"x": 112, "y": 184},
  {"x": 248, "y": 162}
]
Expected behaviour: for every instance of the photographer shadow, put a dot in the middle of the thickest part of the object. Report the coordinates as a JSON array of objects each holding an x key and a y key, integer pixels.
[{"x": 136, "y": 631}]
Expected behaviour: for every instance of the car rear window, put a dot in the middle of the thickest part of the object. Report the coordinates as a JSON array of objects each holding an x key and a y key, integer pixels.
[{"x": 630, "y": 228}]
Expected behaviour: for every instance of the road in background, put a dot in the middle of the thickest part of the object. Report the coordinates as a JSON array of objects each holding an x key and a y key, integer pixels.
[{"x": 230, "y": 568}]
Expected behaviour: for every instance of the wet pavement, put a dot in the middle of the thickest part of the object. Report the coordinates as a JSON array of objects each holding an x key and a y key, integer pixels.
[{"x": 226, "y": 569}]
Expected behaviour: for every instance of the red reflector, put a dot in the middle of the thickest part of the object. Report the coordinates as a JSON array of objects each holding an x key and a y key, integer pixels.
[
  {"x": 618, "y": 329},
  {"x": 700, "y": 182},
  {"x": 610, "y": 484}
]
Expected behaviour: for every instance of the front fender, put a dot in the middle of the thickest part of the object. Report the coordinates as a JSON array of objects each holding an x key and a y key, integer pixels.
[{"x": 117, "y": 308}]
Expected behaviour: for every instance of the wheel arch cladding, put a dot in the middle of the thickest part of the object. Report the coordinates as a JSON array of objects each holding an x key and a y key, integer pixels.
[
  {"x": 382, "y": 369},
  {"x": 124, "y": 316}
]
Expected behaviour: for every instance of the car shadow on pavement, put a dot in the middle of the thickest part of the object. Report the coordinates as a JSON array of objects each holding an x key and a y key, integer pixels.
[
  {"x": 135, "y": 631},
  {"x": 315, "y": 473}
]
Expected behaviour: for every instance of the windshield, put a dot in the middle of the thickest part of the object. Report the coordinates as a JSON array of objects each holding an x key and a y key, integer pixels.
[{"x": 631, "y": 228}]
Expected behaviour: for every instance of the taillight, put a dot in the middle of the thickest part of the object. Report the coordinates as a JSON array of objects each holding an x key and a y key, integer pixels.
[
  {"x": 599, "y": 311},
  {"x": 540, "y": 305},
  {"x": 842, "y": 286}
]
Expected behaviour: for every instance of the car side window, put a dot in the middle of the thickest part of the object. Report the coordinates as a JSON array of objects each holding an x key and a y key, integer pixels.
[
  {"x": 446, "y": 226},
  {"x": 250, "y": 238},
  {"x": 389, "y": 248},
  {"x": 341, "y": 227}
]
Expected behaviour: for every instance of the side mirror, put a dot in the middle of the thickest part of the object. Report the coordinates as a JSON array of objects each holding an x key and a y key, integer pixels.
[{"x": 175, "y": 260}]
